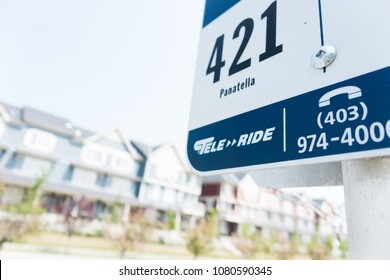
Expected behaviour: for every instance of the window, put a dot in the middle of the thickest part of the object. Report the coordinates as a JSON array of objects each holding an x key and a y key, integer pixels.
[
  {"x": 69, "y": 173},
  {"x": 40, "y": 140},
  {"x": 94, "y": 155},
  {"x": 29, "y": 166},
  {"x": 134, "y": 188},
  {"x": 228, "y": 190},
  {"x": 169, "y": 196},
  {"x": 84, "y": 177},
  {"x": 102, "y": 180},
  {"x": 222, "y": 206},
  {"x": 139, "y": 169},
  {"x": 122, "y": 163},
  {"x": 15, "y": 162},
  {"x": 194, "y": 183},
  {"x": 225, "y": 207},
  {"x": 189, "y": 198}
]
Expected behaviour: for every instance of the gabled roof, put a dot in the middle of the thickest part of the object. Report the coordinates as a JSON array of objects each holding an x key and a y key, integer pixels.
[
  {"x": 105, "y": 134},
  {"x": 143, "y": 149},
  {"x": 166, "y": 145}
]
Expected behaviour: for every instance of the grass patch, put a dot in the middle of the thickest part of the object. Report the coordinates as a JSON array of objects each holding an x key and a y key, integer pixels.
[{"x": 100, "y": 243}]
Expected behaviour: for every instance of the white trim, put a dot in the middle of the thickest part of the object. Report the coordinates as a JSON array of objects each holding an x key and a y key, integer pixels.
[
  {"x": 105, "y": 134},
  {"x": 180, "y": 187},
  {"x": 104, "y": 170},
  {"x": 184, "y": 163}
]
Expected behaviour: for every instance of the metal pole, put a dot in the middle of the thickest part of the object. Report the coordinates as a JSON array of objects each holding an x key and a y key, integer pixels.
[{"x": 367, "y": 198}]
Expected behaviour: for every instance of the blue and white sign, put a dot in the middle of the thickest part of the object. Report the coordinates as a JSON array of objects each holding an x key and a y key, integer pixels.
[{"x": 260, "y": 101}]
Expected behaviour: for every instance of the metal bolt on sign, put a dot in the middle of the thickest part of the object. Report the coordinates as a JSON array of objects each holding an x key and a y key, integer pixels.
[{"x": 323, "y": 57}]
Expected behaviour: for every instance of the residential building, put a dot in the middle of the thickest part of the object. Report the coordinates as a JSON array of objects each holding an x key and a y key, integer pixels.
[
  {"x": 82, "y": 168},
  {"x": 239, "y": 201},
  {"x": 169, "y": 185},
  {"x": 92, "y": 171},
  {"x": 305, "y": 218},
  {"x": 288, "y": 215}
]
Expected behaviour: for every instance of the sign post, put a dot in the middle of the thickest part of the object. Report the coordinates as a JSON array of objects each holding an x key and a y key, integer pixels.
[
  {"x": 282, "y": 84},
  {"x": 367, "y": 196}
]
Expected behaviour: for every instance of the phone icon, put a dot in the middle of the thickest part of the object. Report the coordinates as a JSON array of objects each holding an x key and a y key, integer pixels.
[{"x": 351, "y": 91}]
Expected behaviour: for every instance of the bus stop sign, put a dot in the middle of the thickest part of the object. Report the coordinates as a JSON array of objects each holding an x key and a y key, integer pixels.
[{"x": 283, "y": 83}]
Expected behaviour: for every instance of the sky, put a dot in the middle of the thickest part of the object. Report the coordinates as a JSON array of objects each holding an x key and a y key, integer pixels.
[{"x": 103, "y": 64}]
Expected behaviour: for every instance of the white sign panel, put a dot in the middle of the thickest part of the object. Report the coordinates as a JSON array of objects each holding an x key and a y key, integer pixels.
[{"x": 281, "y": 83}]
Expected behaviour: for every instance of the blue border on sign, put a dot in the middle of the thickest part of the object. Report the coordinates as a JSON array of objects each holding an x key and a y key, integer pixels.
[{"x": 215, "y": 8}]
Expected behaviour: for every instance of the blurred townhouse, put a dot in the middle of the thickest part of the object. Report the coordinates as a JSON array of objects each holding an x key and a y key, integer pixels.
[
  {"x": 168, "y": 185},
  {"x": 240, "y": 201},
  {"x": 90, "y": 171}
]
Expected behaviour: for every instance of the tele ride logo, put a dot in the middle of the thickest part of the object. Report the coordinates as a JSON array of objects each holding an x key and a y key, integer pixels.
[{"x": 209, "y": 145}]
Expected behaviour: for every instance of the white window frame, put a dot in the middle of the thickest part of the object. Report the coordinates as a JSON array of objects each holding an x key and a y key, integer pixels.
[
  {"x": 85, "y": 155},
  {"x": 39, "y": 140},
  {"x": 228, "y": 190},
  {"x": 117, "y": 166}
]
